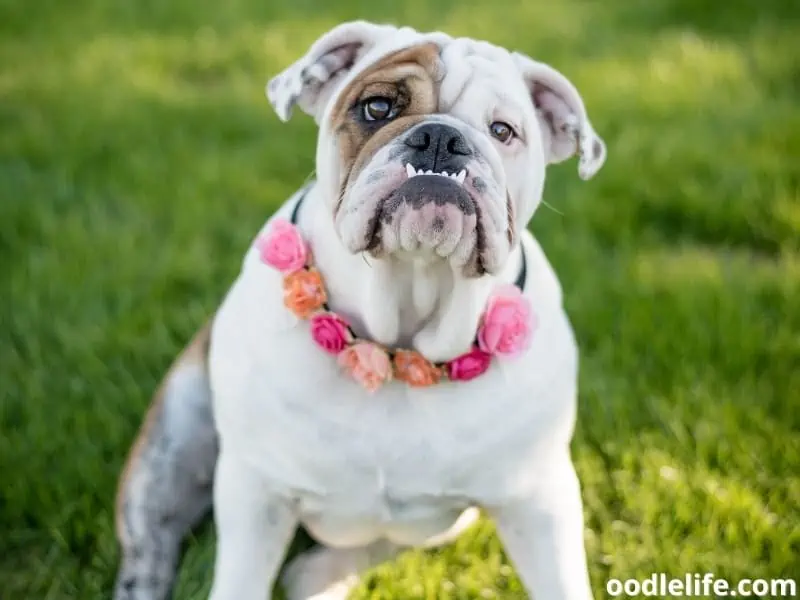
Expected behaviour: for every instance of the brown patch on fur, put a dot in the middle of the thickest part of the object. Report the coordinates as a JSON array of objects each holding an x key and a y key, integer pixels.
[
  {"x": 408, "y": 77},
  {"x": 195, "y": 352}
]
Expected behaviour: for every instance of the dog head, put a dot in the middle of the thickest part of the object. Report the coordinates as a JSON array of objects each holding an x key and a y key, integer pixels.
[{"x": 430, "y": 147}]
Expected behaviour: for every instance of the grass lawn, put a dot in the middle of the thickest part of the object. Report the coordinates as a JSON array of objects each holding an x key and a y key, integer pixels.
[{"x": 138, "y": 156}]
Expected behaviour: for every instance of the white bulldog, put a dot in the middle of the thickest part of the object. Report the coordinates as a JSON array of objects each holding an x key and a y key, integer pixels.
[{"x": 430, "y": 163}]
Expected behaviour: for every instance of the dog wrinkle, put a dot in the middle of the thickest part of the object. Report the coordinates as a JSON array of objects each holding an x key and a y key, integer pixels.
[
  {"x": 511, "y": 220},
  {"x": 390, "y": 207},
  {"x": 459, "y": 74},
  {"x": 373, "y": 237}
]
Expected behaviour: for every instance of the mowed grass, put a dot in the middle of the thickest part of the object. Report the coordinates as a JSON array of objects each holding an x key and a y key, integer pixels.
[{"x": 138, "y": 156}]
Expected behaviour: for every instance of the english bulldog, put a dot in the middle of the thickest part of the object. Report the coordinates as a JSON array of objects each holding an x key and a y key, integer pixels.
[{"x": 430, "y": 163}]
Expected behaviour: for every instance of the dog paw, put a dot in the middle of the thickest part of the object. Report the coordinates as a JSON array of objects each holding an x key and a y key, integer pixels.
[
  {"x": 338, "y": 591},
  {"x": 320, "y": 574},
  {"x": 129, "y": 587}
]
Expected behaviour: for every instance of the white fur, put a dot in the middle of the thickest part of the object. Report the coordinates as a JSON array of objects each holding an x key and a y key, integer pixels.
[{"x": 302, "y": 443}]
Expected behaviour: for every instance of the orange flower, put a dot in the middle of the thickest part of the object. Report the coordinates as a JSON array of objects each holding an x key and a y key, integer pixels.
[
  {"x": 415, "y": 369},
  {"x": 303, "y": 292},
  {"x": 367, "y": 363}
]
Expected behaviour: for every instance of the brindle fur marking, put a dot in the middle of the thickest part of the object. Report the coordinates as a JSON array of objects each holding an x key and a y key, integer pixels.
[{"x": 166, "y": 487}]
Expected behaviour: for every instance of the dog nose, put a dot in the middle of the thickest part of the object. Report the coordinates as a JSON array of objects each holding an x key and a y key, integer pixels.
[{"x": 438, "y": 147}]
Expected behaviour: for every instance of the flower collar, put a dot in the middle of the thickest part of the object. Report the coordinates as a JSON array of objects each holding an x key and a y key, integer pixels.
[{"x": 505, "y": 328}]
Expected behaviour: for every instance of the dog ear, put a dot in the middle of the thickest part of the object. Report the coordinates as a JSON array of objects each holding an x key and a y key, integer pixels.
[
  {"x": 310, "y": 81},
  {"x": 561, "y": 112}
]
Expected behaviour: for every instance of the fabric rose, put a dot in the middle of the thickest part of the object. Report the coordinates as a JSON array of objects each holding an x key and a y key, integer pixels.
[
  {"x": 415, "y": 369},
  {"x": 469, "y": 366},
  {"x": 303, "y": 292},
  {"x": 507, "y": 325},
  {"x": 367, "y": 363},
  {"x": 330, "y": 332},
  {"x": 283, "y": 247}
]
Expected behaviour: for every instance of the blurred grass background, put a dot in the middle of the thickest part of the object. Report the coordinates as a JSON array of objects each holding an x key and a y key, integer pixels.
[{"x": 138, "y": 156}]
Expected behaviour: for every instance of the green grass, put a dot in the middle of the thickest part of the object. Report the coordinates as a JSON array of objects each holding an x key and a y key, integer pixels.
[{"x": 138, "y": 156}]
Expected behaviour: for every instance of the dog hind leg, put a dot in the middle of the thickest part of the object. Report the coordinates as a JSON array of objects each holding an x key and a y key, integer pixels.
[{"x": 166, "y": 486}]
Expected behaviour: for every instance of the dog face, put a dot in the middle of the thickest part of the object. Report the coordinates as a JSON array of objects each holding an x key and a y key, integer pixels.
[{"x": 433, "y": 148}]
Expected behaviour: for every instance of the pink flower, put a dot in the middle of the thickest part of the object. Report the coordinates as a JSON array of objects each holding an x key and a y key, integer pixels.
[
  {"x": 367, "y": 363},
  {"x": 329, "y": 331},
  {"x": 283, "y": 247},
  {"x": 508, "y": 323},
  {"x": 468, "y": 366}
]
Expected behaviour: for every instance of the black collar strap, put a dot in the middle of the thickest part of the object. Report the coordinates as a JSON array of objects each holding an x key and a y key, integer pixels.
[
  {"x": 523, "y": 268},
  {"x": 296, "y": 210}
]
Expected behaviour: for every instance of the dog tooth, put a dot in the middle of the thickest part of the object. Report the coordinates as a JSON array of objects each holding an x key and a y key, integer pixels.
[
  {"x": 411, "y": 171},
  {"x": 429, "y": 172},
  {"x": 444, "y": 173},
  {"x": 462, "y": 175}
]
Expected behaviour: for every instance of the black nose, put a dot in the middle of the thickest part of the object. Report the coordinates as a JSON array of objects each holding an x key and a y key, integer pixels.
[{"x": 438, "y": 147}]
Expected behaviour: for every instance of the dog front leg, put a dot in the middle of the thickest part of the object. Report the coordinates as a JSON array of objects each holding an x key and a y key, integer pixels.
[
  {"x": 254, "y": 530},
  {"x": 543, "y": 537}
]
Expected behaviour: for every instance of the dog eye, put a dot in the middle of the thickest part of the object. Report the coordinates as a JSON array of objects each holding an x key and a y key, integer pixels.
[
  {"x": 502, "y": 131},
  {"x": 378, "y": 108}
]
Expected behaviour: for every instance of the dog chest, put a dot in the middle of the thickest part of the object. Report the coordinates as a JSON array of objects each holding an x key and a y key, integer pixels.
[
  {"x": 312, "y": 430},
  {"x": 402, "y": 461}
]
